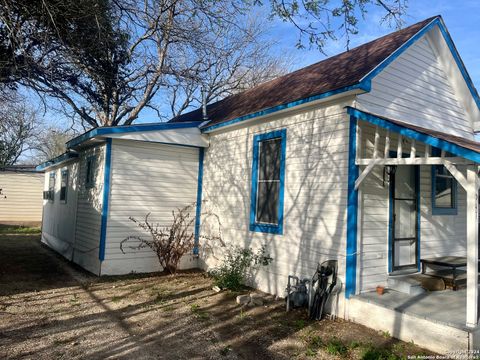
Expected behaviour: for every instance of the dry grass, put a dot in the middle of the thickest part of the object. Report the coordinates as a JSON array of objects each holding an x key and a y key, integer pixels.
[{"x": 50, "y": 309}]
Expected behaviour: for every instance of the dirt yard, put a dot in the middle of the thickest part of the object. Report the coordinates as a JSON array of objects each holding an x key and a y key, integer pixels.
[{"x": 50, "y": 309}]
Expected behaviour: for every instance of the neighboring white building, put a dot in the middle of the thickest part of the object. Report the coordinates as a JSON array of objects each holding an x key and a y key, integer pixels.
[
  {"x": 367, "y": 157},
  {"x": 21, "y": 195}
]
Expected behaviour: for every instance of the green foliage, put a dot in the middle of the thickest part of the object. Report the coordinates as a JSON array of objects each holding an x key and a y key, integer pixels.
[
  {"x": 372, "y": 353},
  {"x": 336, "y": 347},
  {"x": 234, "y": 269},
  {"x": 198, "y": 312},
  {"x": 14, "y": 229}
]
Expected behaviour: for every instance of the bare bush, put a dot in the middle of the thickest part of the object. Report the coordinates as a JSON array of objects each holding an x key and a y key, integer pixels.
[{"x": 170, "y": 243}]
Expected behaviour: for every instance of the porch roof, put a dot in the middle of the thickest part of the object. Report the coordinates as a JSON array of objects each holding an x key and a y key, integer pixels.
[{"x": 468, "y": 149}]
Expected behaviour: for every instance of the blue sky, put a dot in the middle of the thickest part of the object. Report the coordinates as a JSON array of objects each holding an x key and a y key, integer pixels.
[{"x": 461, "y": 18}]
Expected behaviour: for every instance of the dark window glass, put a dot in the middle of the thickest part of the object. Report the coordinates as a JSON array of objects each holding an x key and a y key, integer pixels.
[
  {"x": 51, "y": 186},
  {"x": 444, "y": 188},
  {"x": 268, "y": 187},
  {"x": 89, "y": 173},
  {"x": 63, "y": 186}
]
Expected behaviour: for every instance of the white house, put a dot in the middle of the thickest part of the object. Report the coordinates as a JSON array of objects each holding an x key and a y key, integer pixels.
[
  {"x": 367, "y": 157},
  {"x": 21, "y": 195}
]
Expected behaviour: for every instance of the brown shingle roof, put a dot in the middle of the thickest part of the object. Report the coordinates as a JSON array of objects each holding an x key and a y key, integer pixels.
[{"x": 345, "y": 69}]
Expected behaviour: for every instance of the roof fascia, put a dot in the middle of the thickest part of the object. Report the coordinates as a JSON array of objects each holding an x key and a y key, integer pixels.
[
  {"x": 414, "y": 134},
  {"x": 448, "y": 39},
  {"x": 102, "y": 131},
  {"x": 364, "y": 86},
  {"x": 57, "y": 161}
]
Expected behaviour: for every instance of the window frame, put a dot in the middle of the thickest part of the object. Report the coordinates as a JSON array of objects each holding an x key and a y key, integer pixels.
[
  {"x": 62, "y": 173},
  {"x": 254, "y": 225},
  {"x": 89, "y": 180},
  {"x": 436, "y": 210},
  {"x": 51, "y": 187}
]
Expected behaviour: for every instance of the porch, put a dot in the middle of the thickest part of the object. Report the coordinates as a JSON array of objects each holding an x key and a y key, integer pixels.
[
  {"x": 394, "y": 223},
  {"x": 434, "y": 320}
]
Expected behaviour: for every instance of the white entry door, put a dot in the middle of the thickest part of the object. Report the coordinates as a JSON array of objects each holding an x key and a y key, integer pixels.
[{"x": 404, "y": 222}]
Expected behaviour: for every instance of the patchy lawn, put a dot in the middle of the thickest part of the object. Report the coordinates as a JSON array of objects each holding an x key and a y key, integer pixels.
[{"x": 51, "y": 309}]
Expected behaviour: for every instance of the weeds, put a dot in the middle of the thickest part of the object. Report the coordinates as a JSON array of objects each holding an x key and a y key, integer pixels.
[
  {"x": 336, "y": 347},
  {"x": 198, "y": 312}
]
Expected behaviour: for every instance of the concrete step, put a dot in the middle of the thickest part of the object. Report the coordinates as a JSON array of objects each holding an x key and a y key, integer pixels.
[{"x": 405, "y": 284}]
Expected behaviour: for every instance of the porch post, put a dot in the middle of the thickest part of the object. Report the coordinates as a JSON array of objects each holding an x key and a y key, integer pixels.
[
  {"x": 472, "y": 247},
  {"x": 352, "y": 212}
]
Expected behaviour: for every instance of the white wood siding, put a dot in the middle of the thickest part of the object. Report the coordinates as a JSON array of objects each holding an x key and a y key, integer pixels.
[
  {"x": 58, "y": 226},
  {"x": 89, "y": 210},
  {"x": 146, "y": 178},
  {"x": 21, "y": 199},
  {"x": 415, "y": 88},
  {"x": 440, "y": 235},
  {"x": 315, "y": 192}
]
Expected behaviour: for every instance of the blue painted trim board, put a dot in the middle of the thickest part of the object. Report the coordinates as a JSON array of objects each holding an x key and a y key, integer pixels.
[
  {"x": 198, "y": 212},
  {"x": 99, "y": 131},
  {"x": 417, "y": 188},
  {"x": 106, "y": 195},
  {"x": 268, "y": 228},
  {"x": 352, "y": 212},
  {"x": 365, "y": 86},
  {"x": 392, "y": 57},
  {"x": 413, "y": 134},
  {"x": 57, "y": 161}
]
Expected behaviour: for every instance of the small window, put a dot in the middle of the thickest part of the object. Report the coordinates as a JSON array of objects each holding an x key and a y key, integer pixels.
[
  {"x": 444, "y": 191},
  {"x": 268, "y": 171},
  {"x": 51, "y": 187},
  {"x": 89, "y": 180},
  {"x": 64, "y": 186}
]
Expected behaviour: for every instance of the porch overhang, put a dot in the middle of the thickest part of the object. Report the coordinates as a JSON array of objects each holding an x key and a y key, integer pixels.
[{"x": 454, "y": 151}]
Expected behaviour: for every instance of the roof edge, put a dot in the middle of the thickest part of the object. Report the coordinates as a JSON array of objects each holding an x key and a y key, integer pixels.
[
  {"x": 437, "y": 21},
  {"x": 429, "y": 139},
  {"x": 67, "y": 156},
  {"x": 363, "y": 86},
  {"x": 102, "y": 131}
]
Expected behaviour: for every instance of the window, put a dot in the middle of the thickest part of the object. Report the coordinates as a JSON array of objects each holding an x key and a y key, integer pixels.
[
  {"x": 51, "y": 187},
  {"x": 444, "y": 190},
  {"x": 268, "y": 177},
  {"x": 64, "y": 186},
  {"x": 89, "y": 181}
]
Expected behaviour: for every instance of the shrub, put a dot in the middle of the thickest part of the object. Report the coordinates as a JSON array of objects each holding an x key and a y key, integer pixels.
[
  {"x": 169, "y": 243},
  {"x": 236, "y": 266}
]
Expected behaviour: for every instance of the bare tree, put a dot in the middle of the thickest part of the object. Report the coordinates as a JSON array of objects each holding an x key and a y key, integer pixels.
[
  {"x": 49, "y": 142},
  {"x": 108, "y": 60},
  {"x": 18, "y": 129}
]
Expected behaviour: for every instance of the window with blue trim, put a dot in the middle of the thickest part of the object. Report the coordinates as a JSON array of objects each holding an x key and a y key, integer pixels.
[
  {"x": 89, "y": 180},
  {"x": 444, "y": 190},
  {"x": 268, "y": 181}
]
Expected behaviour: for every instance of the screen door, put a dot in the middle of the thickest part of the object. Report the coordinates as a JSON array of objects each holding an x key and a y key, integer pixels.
[{"x": 405, "y": 219}]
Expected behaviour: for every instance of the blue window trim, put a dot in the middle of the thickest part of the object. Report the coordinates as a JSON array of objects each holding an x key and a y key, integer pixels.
[
  {"x": 352, "y": 212},
  {"x": 442, "y": 210},
  {"x": 106, "y": 196},
  {"x": 268, "y": 228},
  {"x": 198, "y": 212}
]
